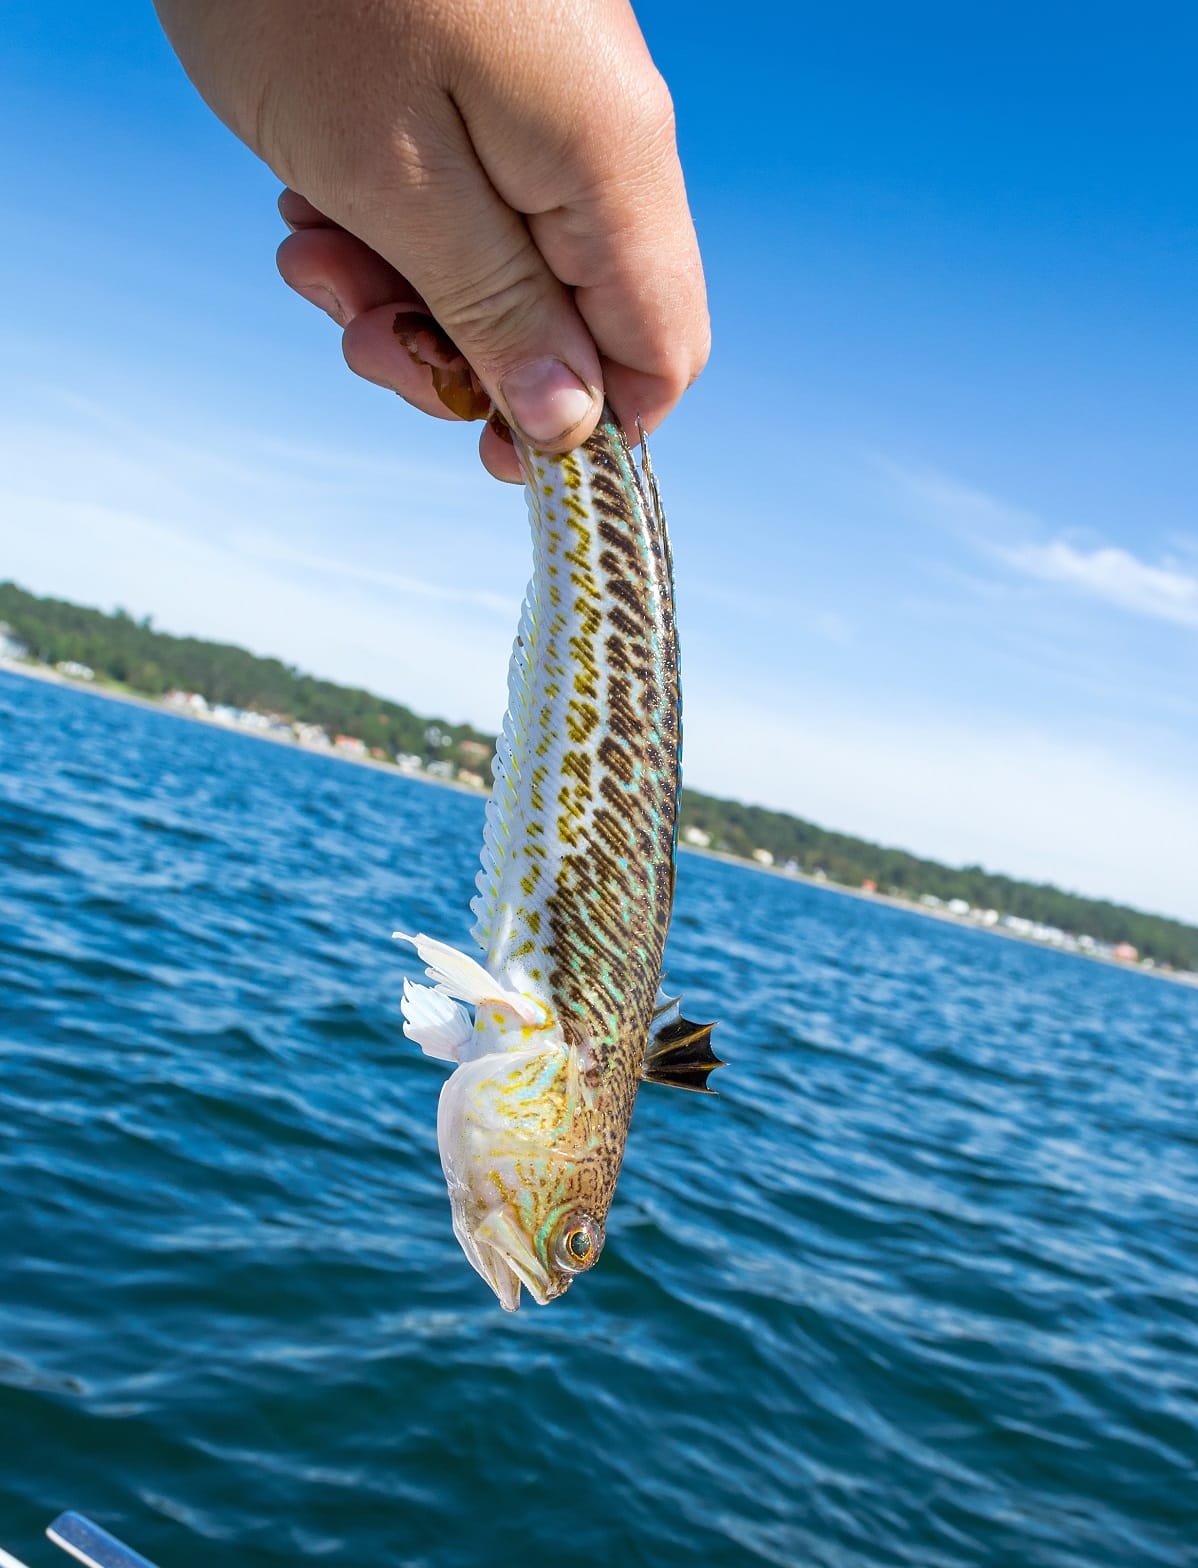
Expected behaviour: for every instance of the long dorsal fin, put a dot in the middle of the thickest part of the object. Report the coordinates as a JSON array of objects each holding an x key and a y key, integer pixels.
[{"x": 679, "y": 1054}]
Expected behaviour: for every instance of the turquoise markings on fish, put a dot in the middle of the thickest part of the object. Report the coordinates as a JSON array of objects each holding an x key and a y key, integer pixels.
[{"x": 574, "y": 891}]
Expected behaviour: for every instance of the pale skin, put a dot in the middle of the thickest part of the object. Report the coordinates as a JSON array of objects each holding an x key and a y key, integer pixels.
[{"x": 505, "y": 170}]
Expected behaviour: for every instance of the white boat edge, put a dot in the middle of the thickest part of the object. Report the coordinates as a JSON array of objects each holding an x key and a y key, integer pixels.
[{"x": 87, "y": 1542}]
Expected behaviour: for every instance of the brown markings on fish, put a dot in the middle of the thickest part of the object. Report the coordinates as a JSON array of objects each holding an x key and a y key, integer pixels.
[{"x": 611, "y": 907}]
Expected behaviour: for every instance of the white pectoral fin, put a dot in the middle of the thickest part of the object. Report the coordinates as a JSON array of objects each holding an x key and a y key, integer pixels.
[
  {"x": 440, "y": 1026},
  {"x": 456, "y": 974}
]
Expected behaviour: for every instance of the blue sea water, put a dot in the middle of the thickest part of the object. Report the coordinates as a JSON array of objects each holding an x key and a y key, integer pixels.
[{"x": 917, "y": 1289}]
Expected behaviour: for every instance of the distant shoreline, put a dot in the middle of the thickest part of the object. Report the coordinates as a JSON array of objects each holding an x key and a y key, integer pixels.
[
  {"x": 946, "y": 916},
  {"x": 41, "y": 672},
  {"x": 99, "y": 689}
]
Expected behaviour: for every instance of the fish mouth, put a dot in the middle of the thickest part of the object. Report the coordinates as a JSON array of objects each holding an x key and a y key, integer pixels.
[{"x": 505, "y": 1259}]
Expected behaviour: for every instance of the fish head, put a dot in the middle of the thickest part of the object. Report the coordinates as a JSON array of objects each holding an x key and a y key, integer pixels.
[{"x": 515, "y": 1129}]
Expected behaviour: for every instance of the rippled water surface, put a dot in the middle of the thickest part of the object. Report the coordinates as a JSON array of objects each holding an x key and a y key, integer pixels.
[{"x": 917, "y": 1289}]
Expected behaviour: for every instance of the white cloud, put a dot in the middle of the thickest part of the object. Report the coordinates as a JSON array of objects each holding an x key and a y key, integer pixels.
[{"x": 1113, "y": 575}]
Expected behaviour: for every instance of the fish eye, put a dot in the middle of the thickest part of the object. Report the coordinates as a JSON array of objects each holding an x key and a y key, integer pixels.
[{"x": 578, "y": 1244}]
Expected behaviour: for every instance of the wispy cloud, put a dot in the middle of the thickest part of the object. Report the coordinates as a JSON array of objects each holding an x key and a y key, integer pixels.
[
  {"x": 1022, "y": 541},
  {"x": 266, "y": 548},
  {"x": 224, "y": 535},
  {"x": 434, "y": 655},
  {"x": 1113, "y": 575},
  {"x": 1019, "y": 797},
  {"x": 964, "y": 508}
]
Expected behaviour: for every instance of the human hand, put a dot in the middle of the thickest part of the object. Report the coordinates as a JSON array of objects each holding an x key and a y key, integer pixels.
[{"x": 507, "y": 167}]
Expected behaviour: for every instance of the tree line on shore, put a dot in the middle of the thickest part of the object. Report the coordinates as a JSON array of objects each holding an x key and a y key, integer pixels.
[
  {"x": 741, "y": 829},
  {"x": 134, "y": 654}
]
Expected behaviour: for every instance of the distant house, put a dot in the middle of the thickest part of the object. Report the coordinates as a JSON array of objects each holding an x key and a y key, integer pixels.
[
  {"x": 869, "y": 885},
  {"x": 763, "y": 857},
  {"x": 11, "y": 646},
  {"x": 75, "y": 670},
  {"x": 440, "y": 770},
  {"x": 696, "y": 837},
  {"x": 189, "y": 701},
  {"x": 474, "y": 751},
  {"x": 958, "y": 906},
  {"x": 1125, "y": 953},
  {"x": 312, "y": 735},
  {"x": 408, "y": 762},
  {"x": 474, "y": 780},
  {"x": 349, "y": 745}
]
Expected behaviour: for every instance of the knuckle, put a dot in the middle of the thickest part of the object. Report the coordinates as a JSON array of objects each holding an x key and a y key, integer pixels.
[
  {"x": 650, "y": 123},
  {"x": 656, "y": 106}
]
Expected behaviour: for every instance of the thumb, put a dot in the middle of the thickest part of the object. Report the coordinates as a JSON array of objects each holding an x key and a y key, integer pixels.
[{"x": 472, "y": 258}]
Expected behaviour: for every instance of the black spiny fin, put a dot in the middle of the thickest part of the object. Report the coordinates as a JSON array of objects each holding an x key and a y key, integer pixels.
[{"x": 680, "y": 1054}]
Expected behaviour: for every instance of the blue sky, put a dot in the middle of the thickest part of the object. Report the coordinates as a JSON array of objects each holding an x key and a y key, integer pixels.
[{"x": 934, "y": 503}]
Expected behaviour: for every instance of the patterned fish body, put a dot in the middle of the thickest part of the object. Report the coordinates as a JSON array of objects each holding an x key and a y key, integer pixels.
[{"x": 575, "y": 890}]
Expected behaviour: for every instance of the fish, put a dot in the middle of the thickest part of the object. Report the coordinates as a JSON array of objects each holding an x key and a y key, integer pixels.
[{"x": 552, "y": 1030}]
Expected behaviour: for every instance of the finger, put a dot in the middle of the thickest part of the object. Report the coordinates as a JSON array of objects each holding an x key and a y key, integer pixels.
[
  {"x": 297, "y": 212},
  {"x": 336, "y": 271},
  {"x": 498, "y": 454},
  {"x": 365, "y": 294}
]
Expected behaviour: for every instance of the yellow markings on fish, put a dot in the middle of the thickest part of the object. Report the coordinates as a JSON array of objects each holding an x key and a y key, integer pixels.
[
  {"x": 582, "y": 719},
  {"x": 535, "y": 783}
]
